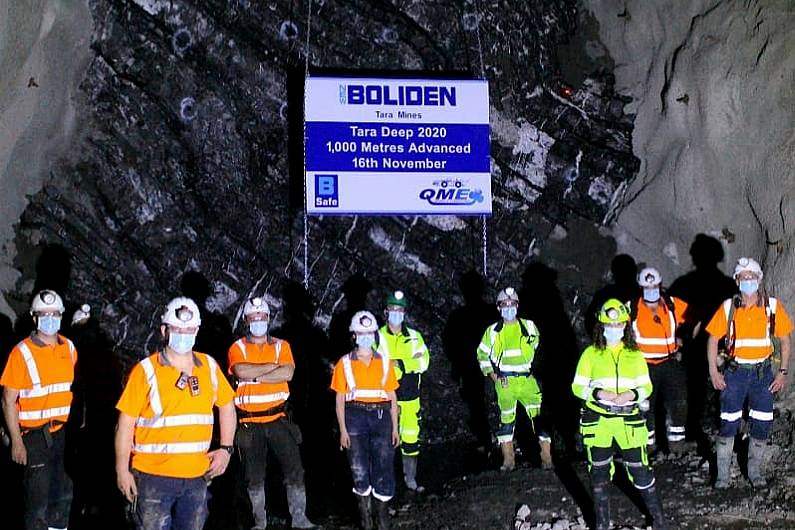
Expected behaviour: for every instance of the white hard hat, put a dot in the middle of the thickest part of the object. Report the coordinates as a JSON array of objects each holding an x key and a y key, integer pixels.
[
  {"x": 82, "y": 315},
  {"x": 182, "y": 312},
  {"x": 256, "y": 305},
  {"x": 649, "y": 277},
  {"x": 747, "y": 265},
  {"x": 363, "y": 322},
  {"x": 46, "y": 301},
  {"x": 509, "y": 293}
]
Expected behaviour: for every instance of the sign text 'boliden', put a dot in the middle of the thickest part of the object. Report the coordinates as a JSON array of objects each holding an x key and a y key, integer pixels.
[{"x": 431, "y": 96}]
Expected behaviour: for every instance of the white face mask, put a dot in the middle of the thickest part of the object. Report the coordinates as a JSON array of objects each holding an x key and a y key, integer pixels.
[
  {"x": 651, "y": 294},
  {"x": 613, "y": 335},
  {"x": 396, "y": 317},
  {"x": 508, "y": 313},
  {"x": 365, "y": 341},
  {"x": 181, "y": 342},
  {"x": 258, "y": 328},
  {"x": 749, "y": 287}
]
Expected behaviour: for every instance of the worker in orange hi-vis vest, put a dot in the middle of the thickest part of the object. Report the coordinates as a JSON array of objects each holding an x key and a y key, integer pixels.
[
  {"x": 263, "y": 365},
  {"x": 37, "y": 396},
  {"x": 367, "y": 411},
  {"x": 166, "y": 423}
]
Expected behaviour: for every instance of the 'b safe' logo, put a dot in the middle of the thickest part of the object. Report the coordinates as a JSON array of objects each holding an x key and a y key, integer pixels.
[{"x": 326, "y": 191}]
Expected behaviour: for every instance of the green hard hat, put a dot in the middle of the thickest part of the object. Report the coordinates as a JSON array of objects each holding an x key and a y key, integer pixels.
[
  {"x": 396, "y": 298},
  {"x": 613, "y": 312}
]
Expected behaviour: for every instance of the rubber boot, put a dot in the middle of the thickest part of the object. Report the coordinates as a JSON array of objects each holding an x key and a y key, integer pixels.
[
  {"x": 546, "y": 454},
  {"x": 296, "y": 501},
  {"x": 365, "y": 512},
  {"x": 654, "y": 506},
  {"x": 410, "y": 473},
  {"x": 508, "y": 460},
  {"x": 257, "y": 497},
  {"x": 601, "y": 506},
  {"x": 381, "y": 515},
  {"x": 756, "y": 459},
  {"x": 723, "y": 448}
]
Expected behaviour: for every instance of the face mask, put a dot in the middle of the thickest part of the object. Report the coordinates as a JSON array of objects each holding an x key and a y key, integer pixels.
[
  {"x": 396, "y": 317},
  {"x": 181, "y": 342},
  {"x": 258, "y": 328},
  {"x": 651, "y": 295},
  {"x": 749, "y": 286},
  {"x": 365, "y": 341},
  {"x": 613, "y": 335},
  {"x": 508, "y": 313},
  {"x": 49, "y": 325}
]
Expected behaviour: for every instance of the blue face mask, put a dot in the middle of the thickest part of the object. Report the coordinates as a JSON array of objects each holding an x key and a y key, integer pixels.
[
  {"x": 749, "y": 286},
  {"x": 258, "y": 328},
  {"x": 48, "y": 325},
  {"x": 365, "y": 341},
  {"x": 181, "y": 342},
  {"x": 508, "y": 313},
  {"x": 396, "y": 317},
  {"x": 651, "y": 294},
  {"x": 613, "y": 335}
]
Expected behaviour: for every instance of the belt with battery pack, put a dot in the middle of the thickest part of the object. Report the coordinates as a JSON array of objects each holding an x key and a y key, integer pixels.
[
  {"x": 44, "y": 430},
  {"x": 364, "y": 405}
]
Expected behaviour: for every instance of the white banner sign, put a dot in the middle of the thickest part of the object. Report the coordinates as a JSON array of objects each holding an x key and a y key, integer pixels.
[{"x": 397, "y": 147}]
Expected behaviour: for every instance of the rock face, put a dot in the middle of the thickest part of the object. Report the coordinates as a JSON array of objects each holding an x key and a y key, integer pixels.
[{"x": 712, "y": 86}]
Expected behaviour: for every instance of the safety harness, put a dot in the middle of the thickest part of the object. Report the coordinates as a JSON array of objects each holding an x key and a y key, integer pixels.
[{"x": 730, "y": 307}]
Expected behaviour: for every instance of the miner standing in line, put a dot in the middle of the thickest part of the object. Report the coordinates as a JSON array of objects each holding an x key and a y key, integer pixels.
[
  {"x": 506, "y": 355},
  {"x": 748, "y": 322},
  {"x": 405, "y": 346},
  {"x": 366, "y": 407},
  {"x": 37, "y": 396},
  {"x": 656, "y": 318},
  {"x": 612, "y": 379},
  {"x": 166, "y": 424},
  {"x": 263, "y": 366}
]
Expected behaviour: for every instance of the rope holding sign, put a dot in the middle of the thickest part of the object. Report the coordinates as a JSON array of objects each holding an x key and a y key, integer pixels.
[
  {"x": 485, "y": 234},
  {"x": 306, "y": 76}
]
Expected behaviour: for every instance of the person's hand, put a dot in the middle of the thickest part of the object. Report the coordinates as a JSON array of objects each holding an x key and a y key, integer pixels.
[
  {"x": 395, "y": 438},
  {"x": 126, "y": 484},
  {"x": 623, "y": 398},
  {"x": 717, "y": 380},
  {"x": 18, "y": 452},
  {"x": 606, "y": 395},
  {"x": 219, "y": 459},
  {"x": 345, "y": 440},
  {"x": 778, "y": 383}
]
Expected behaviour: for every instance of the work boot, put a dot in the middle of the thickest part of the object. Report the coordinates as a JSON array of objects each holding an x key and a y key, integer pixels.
[
  {"x": 756, "y": 459},
  {"x": 381, "y": 515},
  {"x": 296, "y": 501},
  {"x": 654, "y": 506},
  {"x": 508, "y": 460},
  {"x": 410, "y": 473},
  {"x": 601, "y": 506},
  {"x": 723, "y": 448},
  {"x": 257, "y": 497},
  {"x": 365, "y": 512},
  {"x": 546, "y": 454}
]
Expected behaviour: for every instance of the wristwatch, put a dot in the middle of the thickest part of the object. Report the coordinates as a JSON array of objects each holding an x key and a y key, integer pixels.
[
  {"x": 783, "y": 371},
  {"x": 228, "y": 448}
]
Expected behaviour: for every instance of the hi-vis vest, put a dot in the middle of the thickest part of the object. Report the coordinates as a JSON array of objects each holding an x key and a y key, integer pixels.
[
  {"x": 356, "y": 393},
  {"x": 756, "y": 346},
  {"x": 493, "y": 353},
  {"x": 403, "y": 347},
  {"x": 657, "y": 340},
  {"x": 193, "y": 430},
  {"x": 256, "y": 396},
  {"x": 50, "y": 398}
]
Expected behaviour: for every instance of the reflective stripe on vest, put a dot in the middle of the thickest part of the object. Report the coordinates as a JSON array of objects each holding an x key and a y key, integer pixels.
[
  {"x": 40, "y": 390},
  {"x": 351, "y": 381},
  {"x": 173, "y": 448},
  {"x": 242, "y": 345},
  {"x": 256, "y": 399},
  {"x": 766, "y": 342},
  {"x": 668, "y": 341},
  {"x": 46, "y": 414}
]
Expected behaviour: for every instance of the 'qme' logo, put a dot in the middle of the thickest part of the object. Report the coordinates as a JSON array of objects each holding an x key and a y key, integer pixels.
[
  {"x": 451, "y": 192},
  {"x": 326, "y": 191}
]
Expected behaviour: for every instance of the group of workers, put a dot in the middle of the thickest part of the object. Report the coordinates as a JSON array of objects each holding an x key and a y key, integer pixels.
[{"x": 163, "y": 441}]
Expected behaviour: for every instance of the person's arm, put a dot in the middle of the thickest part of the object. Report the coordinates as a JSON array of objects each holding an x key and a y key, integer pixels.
[
  {"x": 251, "y": 371},
  {"x": 393, "y": 413},
  {"x": 282, "y": 374},
  {"x": 780, "y": 380},
  {"x": 18, "y": 453},
  {"x": 345, "y": 439},
  {"x": 712, "y": 359},
  {"x": 123, "y": 443},
  {"x": 219, "y": 459}
]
